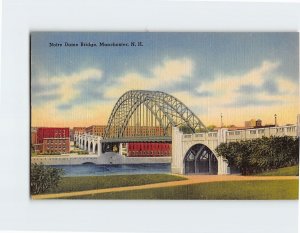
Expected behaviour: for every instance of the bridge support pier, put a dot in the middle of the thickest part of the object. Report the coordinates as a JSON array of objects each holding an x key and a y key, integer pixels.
[
  {"x": 120, "y": 148},
  {"x": 89, "y": 143},
  {"x": 222, "y": 166},
  {"x": 181, "y": 143},
  {"x": 99, "y": 152}
]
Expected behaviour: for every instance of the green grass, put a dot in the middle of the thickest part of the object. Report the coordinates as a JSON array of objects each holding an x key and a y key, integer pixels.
[
  {"x": 228, "y": 190},
  {"x": 71, "y": 184},
  {"x": 33, "y": 153},
  {"x": 285, "y": 171}
]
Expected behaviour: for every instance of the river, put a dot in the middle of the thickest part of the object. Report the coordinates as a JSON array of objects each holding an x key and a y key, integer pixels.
[{"x": 104, "y": 170}]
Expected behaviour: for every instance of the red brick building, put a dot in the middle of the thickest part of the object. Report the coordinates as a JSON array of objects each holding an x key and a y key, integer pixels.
[
  {"x": 53, "y": 140},
  {"x": 33, "y": 136},
  {"x": 97, "y": 130},
  {"x": 79, "y": 130},
  {"x": 149, "y": 149},
  {"x": 76, "y": 130}
]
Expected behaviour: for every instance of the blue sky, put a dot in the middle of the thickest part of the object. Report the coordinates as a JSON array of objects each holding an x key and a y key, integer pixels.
[{"x": 242, "y": 75}]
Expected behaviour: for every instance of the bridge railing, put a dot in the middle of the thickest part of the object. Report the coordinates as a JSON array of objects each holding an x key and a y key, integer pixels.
[
  {"x": 200, "y": 136},
  {"x": 244, "y": 134},
  {"x": 248, "y": 134}
]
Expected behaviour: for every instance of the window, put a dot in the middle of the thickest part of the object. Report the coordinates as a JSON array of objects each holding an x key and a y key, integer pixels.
[
  {"x": 261, "y": 131},
  {"x": 278, "y": 130},
  {"x": 252, "y": 131},
  {"x": 237, "y": 132},
  {"x": 291, "y": 129}
]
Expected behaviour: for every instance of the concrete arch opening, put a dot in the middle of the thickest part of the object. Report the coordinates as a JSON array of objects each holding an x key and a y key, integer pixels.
[
  {"x": 91, "y": 147},
  {"x": 199, "y": 159},
  {"x": 96, "y": 148}
]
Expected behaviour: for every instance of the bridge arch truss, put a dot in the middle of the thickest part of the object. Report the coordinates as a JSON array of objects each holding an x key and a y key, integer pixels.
[{"x": 138, "y": 109}]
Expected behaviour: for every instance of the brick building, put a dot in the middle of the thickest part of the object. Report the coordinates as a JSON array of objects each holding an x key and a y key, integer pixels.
[
  {"x": 76, "y": 130},
  {"x": 33, "y": 135},
  {"x": 97, "y": 130},
  {"x": 144, "y": 131},
  {"x": 253, "y": 123},
  {"x": 130, "y": 131},
  {"x": 52, "y": 140},
  {"x": 149, "y": 149}
]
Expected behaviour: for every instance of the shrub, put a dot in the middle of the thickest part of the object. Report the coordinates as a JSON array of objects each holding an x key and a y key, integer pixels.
[
  {"x": 43, "y": 178},
  {"x": 80, "y": 152},
  {"x": 262, "y": 154},
  {"x": 83, "y": 152}
]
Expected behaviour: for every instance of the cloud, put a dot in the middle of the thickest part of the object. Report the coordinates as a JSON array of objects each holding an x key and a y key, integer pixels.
[
  {"x": 63, "y": 90},
  {"x": 77, "y": 115},
  {"x": 260, "y": 91},
  {"x": 161, "y": 77},
  {"x": 228, "y": 88},
  {"x": 86, "y": 98},
  {"x": 261, "y": 85}
]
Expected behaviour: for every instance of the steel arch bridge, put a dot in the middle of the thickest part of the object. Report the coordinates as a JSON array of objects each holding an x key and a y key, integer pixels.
[{"x": 141, "y": 113}]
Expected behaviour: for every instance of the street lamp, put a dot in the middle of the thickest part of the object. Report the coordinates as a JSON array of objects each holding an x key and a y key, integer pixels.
[
  {"x": 221, "y": 120},
  {"x": 275, "y": 116}
]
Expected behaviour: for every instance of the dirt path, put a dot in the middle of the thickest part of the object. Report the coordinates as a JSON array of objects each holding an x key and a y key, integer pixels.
[{"x": 193, "y": 179}]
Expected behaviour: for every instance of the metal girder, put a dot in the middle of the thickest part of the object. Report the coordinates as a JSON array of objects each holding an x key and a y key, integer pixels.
[
  {"x": 137, "y": 139},
  {"x": 164, "y": 109}
]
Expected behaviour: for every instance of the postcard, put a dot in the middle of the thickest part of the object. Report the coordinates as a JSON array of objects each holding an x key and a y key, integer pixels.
[{"x": 164, "y": 115}]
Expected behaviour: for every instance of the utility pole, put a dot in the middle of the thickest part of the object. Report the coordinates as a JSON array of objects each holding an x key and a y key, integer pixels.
[{"x": 221, "y": 120}]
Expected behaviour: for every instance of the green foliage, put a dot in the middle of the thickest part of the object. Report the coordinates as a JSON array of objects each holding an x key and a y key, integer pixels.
[
  {"x": 185, "y": 129},
  {"x": 262, "y": 154},
  {"x": 228, "y": 190},
  {"x": 80, "y": 183},
  {"x": 33, "y": 153},
  {"x": 80, "y": 152},
  {"x": 50, "y": 153},
  {"x": 285, "y": 171},
  {"x": 42, "y": 178},
  {"x": 211, "y": 127}
]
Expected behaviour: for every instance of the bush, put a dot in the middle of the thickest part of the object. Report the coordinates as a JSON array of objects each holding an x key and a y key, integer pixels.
[
  {"x": 83, "y": 152},
  {"x": 43, "y": 178},
  {"x": 262, "y": 154},
  {"x": 50, "y": 153}
]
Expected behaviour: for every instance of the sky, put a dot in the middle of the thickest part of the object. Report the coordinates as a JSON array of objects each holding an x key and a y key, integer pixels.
[{"x": 239, "y": 75}]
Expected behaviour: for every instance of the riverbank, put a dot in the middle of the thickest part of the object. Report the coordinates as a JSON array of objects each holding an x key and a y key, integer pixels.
[{"x": 103, "y": 159}]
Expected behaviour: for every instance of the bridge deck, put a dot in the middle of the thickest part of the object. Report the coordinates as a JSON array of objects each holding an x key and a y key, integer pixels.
[{"x": 137, "y": 139}]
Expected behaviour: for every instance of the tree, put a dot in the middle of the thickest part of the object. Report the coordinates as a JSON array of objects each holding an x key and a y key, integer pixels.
[
  {"x": 262, "y": 154},
  {"x": 185, "y": 129},
  {"x": 42, "y": 178},
  {"x": 211, "y": 127}
]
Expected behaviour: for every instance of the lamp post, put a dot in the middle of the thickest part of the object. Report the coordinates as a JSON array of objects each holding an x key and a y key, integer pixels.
[
  {"x": 221, "y": 120},
  {"x": 275, "y": 116}
]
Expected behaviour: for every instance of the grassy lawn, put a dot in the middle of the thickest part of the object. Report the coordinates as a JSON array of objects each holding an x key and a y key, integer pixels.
[
  {"x": 228, "y": 190},
  {"x": 33, "y": 153},
  {"x": 285, "y": 171},
  {"x": 70, "y": 184}
]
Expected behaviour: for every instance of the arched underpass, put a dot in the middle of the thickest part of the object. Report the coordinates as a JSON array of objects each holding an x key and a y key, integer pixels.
[{"x": 199, "y": 159}]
